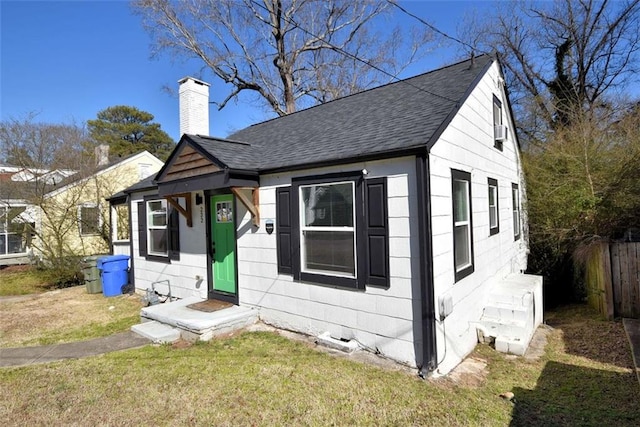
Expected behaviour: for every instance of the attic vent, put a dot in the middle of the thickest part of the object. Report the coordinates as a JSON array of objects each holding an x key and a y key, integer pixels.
[{"x": 500, "y": 132}]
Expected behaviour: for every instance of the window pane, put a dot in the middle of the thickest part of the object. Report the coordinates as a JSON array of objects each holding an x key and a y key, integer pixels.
[
  {"x": 461, "y": 236},
  {"x": 493, "y": 221},
  {"x": 497, "y": 114},
  {"x": 328, "y": 205},
  {"x": 330, "y": 251},
  {"x": 224, "y": 212},
  {"x": 122, "y": 224},
  {"x": 460, "y": 201},
  {"x": 157, "y": 213},
  {"x": 16, "y": 244},
  {"x": 158, "y": 241},
  {"x": 493, "y": 209},
  {"x": 89, "y": 220},
  {"x": 3, "y": 244}
]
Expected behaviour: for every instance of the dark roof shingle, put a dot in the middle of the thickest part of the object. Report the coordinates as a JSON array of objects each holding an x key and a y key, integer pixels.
[{"x": 398, "y": 116}]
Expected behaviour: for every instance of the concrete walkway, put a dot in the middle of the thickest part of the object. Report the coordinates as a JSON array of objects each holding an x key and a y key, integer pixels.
[{"x": 22, "y": 356}]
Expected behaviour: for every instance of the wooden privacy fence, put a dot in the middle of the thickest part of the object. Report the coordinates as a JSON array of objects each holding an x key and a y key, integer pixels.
[{"x": 612, "y": 278}]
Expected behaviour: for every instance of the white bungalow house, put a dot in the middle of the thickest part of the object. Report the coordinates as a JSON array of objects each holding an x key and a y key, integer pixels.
[{"x": 391, "y": 218}]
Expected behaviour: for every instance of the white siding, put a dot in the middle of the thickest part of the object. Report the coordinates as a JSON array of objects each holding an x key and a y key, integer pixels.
[
  {"x": 468, "y": 144},
  {"x": 183, "y": 274},
  {"x": 380, "y": 319},
  {"x": 385, "y": 320}
]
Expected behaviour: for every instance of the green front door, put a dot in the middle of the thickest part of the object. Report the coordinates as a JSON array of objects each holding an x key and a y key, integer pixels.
[{"x": 223, "y": 244}]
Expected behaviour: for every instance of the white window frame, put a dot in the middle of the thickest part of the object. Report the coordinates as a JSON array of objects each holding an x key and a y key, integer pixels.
[
  {"x": 151, "y": 226},
  {"x": 89, "y": 205},
  {"x": 462, "y": 270},
  {"x": 493, "y": 190},
  {"x": 4, "y": 231},
  {"x": 115, "y": 220},
  {"x": 515, "y": 200},
  {"x": 303, "y": 228},
  {"x": 497, "y": 121}
]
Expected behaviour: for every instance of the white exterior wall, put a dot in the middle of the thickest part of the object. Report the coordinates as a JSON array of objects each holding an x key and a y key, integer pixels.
[
  {"x": 379, "y": 319},
  {"x": 468, "y": 144},
  {"x": 183, "y": 274}
]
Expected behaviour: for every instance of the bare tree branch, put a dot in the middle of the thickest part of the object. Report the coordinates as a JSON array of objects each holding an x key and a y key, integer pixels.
[{"x": 290, "y": 53}]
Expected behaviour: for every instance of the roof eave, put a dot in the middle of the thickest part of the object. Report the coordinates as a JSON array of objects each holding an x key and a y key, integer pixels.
[{"x": 387, "y": 154}]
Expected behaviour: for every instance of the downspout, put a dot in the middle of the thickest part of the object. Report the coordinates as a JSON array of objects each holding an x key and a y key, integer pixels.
[
  {"x": 132, "y": 274},
  {"x": 110, "y": 228},
  {"x": 428, "y": 318}
]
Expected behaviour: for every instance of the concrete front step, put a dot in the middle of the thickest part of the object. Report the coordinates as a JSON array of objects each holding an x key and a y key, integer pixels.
[
  {"x": 195, "y": 325},
  {"x": 157, "y": 332}
]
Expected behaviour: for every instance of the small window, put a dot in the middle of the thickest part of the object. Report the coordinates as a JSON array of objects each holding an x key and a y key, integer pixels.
[
  {"x": 157, "y": 221},
  {"x": 327, "y": 232},
  {"x": 121, "y": 222},
  {"x": 515, "y": 200},
  {"x": 462, "y": 224},
  {"x": 89, "y": 219},
  {"x": 494, "y": 219},
  {"x": 144, "y": 170},
  {"x": 499, "y": 131}
]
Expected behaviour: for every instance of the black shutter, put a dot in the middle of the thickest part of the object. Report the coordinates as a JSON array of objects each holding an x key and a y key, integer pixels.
[
  {"x": 174, "y": 233},
  {"x": 142, "y": 228},
  {"x": 283, "y": 229},
  {"x": 376, "y": 232}
]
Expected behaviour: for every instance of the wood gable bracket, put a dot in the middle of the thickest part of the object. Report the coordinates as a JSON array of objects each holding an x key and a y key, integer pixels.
[
  {"x": 253, "y": 204},
  {"x": 186, "y": 213}
]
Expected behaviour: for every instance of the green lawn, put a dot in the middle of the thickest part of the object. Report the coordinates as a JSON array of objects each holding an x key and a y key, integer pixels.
[
  {"x": 24, "y": 281},
  {"x": 261, "y": 378}
]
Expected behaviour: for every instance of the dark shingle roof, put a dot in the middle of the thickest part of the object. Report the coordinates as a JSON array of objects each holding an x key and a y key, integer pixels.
[
  {"x": 145, "y": 184},
  {"x": 398, "y": 116}
]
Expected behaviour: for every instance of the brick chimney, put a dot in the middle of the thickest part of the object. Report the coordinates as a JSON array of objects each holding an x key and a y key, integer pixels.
[{"x": 194, "y": 106}]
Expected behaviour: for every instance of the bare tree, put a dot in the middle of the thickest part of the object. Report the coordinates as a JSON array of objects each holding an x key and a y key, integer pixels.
[
  {"x": 290, "y": 53},
  {"x": 37, "y": 214},
  {"x": 563, "y": 58}
]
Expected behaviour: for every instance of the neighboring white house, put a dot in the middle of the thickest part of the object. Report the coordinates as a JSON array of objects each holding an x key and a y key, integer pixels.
[{"x": 392, "y": 217}]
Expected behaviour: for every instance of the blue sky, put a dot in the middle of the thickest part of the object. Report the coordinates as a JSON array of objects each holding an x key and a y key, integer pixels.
[{"x": 67, "y": 60}]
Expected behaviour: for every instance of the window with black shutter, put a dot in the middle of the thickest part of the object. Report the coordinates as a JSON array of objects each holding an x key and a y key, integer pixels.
[
  {"x": 332, "y": 229},
  {"x": 158, "y": 230}
]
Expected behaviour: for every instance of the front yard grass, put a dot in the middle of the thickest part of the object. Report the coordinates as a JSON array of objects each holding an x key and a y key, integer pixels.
[
  {"x": 65, "y": 315},
  {"x": 24, "y": 280},
  {"x": 261, "y": 378}
]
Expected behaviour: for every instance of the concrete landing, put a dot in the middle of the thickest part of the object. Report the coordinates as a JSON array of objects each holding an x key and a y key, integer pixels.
[{"x": 197, "y": 325}]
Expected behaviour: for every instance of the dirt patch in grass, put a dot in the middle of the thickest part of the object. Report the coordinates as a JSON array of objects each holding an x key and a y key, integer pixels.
[
  {"x": 583, "y": 332},
  {"x": 64, "y": 315}
]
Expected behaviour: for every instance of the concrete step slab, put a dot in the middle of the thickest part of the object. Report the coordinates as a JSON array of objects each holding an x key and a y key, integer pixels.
[{"x": 157, "y": 332}]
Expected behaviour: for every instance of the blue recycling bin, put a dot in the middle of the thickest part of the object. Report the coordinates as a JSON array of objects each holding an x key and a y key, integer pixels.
[{"x": 114, "y": 270}]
